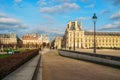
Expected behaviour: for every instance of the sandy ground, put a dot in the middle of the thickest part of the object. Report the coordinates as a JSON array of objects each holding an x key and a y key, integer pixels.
[
  {"x": 56, "y": 67},
  {"x": 102, "y": 51}
]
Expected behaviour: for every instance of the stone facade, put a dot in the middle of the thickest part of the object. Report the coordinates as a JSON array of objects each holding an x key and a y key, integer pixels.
[
  {"x": 46, "y": 39},
  {"x": 103, "y": 39},
  {"x": 76, "y": 37},
  {"x": 8, "y": 40},
  {"x": 35, "y": 41},
  {"x": 58, "y": 42}
]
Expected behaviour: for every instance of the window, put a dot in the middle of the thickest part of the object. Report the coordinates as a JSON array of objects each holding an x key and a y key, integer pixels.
[
  {"x": 77, "y": 40},
  {"x": 77, "y": 45},
  {"x": 78, "y": 34}
]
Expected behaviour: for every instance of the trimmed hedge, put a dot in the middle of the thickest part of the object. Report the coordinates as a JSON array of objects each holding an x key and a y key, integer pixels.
[
  {"x": 4, "y": 55},
  {"x": 11, "y": 63}
]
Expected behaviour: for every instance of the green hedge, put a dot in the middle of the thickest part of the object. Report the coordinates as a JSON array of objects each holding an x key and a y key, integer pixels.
[{"x": 11, "y": 63}]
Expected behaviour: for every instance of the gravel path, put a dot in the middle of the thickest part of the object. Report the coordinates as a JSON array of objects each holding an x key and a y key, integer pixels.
[{"x": 56, "y": 67}]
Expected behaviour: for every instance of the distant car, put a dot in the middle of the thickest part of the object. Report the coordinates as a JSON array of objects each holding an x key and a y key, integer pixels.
[{"x": 10, "y": 51}]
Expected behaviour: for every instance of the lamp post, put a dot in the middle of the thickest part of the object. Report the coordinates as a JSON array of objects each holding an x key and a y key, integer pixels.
[{"x": 94, "y": 20}]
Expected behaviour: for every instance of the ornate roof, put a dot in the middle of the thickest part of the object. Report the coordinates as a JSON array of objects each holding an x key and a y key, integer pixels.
[
  {"x": 72, "y": 27},
  {"x": 104, "y": 33}
]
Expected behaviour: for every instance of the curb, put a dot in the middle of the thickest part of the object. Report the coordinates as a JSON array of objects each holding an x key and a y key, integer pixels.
[
  {"x": 98, "y": 60},
  {"x": 35, "y": 74}
]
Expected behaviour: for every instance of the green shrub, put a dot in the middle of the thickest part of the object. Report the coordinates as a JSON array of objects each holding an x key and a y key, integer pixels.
[{"x": 10, "y": 63}]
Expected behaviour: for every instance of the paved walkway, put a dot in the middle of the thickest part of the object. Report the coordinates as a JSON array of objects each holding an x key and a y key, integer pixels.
[
  {"x": 56, "y": 67},
  {"x": 25, "y": 72},
  {"x": 39, "y": 77}
]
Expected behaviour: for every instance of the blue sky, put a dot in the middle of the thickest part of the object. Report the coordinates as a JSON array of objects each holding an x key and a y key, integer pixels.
[{"x": 51, "y": 16}]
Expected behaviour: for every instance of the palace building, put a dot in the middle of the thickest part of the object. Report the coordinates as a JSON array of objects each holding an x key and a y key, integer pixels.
[
  {"x": 58, "y": 42},
  {"x": 35, "y": 40},
  {"x": 76, "y": 37},
  {"x": 9, "y": 41},
  {"x": 32, "y": 41}
]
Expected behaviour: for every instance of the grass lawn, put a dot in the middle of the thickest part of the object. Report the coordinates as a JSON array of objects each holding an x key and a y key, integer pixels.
[{"x": 3, "y": 55}]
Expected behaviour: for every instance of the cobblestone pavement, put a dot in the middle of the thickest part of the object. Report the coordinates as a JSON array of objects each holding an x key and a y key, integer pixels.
[{"x": 56, "y": 67}]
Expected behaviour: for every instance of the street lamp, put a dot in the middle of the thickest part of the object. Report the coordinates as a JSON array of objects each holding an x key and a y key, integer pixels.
[{"x": 94, "y": 20}]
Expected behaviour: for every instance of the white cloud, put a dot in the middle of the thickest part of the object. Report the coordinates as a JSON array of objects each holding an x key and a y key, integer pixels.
[
  {"x": 8, "y": 23},
  {"x": 116, "y": 15},
  {"x": 66, "y": 7},
  {"x": 113, "y": 26},
  {"x": 8, "y": 20},
  {"x": 42, "y": 2},
  {"x": 2, "y": 14},
  {"x": 52, "y": 2}
]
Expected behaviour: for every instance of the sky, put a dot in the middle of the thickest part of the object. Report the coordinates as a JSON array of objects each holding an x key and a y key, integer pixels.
[{"x": 50, "y": 17}]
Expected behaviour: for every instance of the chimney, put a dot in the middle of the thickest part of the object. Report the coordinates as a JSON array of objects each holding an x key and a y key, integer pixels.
[
  {"x": 69, "y": 24},
  {"x": 76, "y": 23}
]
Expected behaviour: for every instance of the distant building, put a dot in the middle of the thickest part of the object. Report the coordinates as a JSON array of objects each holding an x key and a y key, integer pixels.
[
  {"x": 9, "y": 40},
  {"x": 58, "y": 42},
  {"x": 34, "y": 40},
  {"x": 46, "y": 41},
  {"x": 76, "y": 37}
]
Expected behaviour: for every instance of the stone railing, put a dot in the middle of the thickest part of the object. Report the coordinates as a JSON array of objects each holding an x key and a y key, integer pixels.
[{"x": 96, "y": 58}]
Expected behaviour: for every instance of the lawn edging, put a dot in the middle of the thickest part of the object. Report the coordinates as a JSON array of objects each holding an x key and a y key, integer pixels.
[{"x": 11, "y": 63}]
